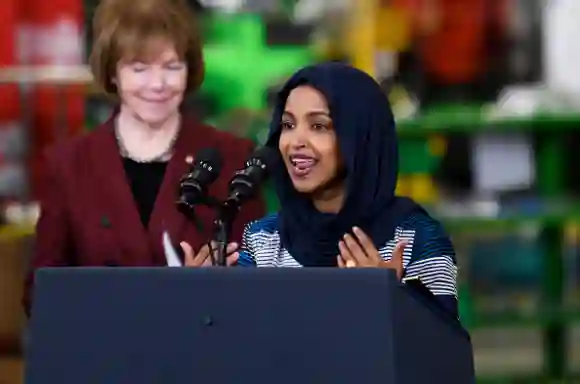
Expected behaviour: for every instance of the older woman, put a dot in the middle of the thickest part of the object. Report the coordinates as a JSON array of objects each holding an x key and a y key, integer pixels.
[{"x": 109, "y": 195}]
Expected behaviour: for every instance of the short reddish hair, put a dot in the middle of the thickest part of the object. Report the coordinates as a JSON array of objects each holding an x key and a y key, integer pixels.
[{"x": 124, "y": 29}]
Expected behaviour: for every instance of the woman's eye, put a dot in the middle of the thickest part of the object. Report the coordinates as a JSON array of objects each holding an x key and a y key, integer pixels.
[
  {"x": 139, "y": 68},
  {"x": 287, "y": 125},
  {"x": 175, "y": 66},
  {"x": 319, "y": 126}
]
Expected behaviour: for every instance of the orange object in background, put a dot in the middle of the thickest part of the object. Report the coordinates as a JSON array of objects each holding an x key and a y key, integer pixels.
[
  {"x": 55, "y": 38},
  {"x": 453, "y": 35}
]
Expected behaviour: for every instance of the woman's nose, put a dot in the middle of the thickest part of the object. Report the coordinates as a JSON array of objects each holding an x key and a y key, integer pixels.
[
  {"x": 298, "y": 143},
  {"x": 157, "y": 79},
  {"x": 299, "y": 138}
]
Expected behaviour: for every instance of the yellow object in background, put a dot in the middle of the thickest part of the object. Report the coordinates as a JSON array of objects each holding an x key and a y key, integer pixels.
[
  {"x": 572, "y": 233},
  {"x": 374, "y": 28},
  {"x": 419, "y": 187},
  {"x": 15, "y": 232},
  {"x": 13, "y": 268},
  {"x": 403, "y": 186},
  {"x": 423, "y": 189},
  {"x": 393, "y": 30},
  {"x": 437, "y": 145},
  {"x": 362, "y": 41}
]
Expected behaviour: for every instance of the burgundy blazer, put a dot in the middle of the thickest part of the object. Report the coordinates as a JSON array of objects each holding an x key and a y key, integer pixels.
[{"x": 88, "y": 215}]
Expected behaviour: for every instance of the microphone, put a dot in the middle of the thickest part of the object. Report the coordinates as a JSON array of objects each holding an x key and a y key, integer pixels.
[
  {"x": 246, "y": 183},
  {"x": 193, "y": 186},
  {"x": 242, "y": 187}
]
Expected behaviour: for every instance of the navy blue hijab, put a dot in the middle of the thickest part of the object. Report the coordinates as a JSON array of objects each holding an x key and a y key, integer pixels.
[{"x": 365, "y": 128}]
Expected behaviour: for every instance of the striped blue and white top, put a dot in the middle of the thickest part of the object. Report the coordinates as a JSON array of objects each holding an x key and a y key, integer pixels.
[{"x": 429, "y": 254}]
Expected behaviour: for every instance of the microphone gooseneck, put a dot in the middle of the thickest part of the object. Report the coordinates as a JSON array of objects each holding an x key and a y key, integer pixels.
[{"x": 243, "y": 186}]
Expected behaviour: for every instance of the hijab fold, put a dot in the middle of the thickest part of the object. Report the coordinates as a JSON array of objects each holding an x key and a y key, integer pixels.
[{"x": 365, "y": 128}]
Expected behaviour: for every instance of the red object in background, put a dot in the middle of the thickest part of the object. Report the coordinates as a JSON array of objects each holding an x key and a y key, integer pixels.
[
  {"x": 9, "y": 94},
  {"x": 453, "y": 36},
  {"x": 55, "y": 38},
  {"x": 10, "y": 103}
]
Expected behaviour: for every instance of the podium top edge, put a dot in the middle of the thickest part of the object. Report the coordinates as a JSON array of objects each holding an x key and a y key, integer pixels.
[{"x": 212, "y": 270}]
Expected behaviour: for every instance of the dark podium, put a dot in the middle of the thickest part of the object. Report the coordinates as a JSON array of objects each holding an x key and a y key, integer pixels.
[{"x": 239, "y": 325}]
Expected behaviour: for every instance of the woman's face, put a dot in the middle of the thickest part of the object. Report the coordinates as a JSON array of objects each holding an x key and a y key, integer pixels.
[
  {"x": 308, "y": 142},
  {"x": 152, "y": 89}
]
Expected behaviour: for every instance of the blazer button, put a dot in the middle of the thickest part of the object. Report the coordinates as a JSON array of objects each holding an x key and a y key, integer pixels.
[
  {"x": 105, "y": 222},
  {"x": 207, "y": 320}
]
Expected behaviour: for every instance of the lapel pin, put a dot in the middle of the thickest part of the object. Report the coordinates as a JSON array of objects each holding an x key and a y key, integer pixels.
[
  {"x": 189, "y": 159},
  {"x": 105, "y": 222}
]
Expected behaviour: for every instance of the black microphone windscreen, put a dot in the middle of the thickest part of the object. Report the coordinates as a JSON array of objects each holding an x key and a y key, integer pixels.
[
  {"x": 209, "y": 157},
  {"x": 266, "y": 155}
]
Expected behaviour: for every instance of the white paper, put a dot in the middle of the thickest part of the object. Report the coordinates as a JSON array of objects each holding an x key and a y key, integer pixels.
[{"x": 171, "y": 255}]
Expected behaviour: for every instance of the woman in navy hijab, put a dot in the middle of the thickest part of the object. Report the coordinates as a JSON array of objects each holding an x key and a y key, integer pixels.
[{"x": 338, "y": 163}]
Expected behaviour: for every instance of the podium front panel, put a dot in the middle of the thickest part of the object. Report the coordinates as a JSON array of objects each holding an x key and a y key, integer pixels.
[
  {"x": 210, "y": 325},
  {"x": 431, "y": 338}
]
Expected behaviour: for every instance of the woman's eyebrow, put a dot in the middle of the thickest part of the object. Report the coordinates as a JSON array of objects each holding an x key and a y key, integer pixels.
[{"x": 318, "y": 113}]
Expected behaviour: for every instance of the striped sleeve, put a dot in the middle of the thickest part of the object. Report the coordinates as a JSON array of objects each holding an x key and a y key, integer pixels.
[
  {"x": 433, "y": 262},
  {"x": 246, "y": 254}
]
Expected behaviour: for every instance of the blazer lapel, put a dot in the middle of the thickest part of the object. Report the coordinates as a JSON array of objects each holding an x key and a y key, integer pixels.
[
  {"x": 165, "y": 217},
  {"x": 119, "y": 211}
]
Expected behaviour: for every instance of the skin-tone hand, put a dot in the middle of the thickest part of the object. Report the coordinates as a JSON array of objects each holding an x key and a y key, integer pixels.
[
  {"x": 203, "y": 259},
  {"x": 359, "y": 251}
]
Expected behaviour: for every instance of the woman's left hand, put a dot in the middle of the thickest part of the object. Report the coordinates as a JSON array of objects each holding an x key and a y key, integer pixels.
[{"x": 359, "y": 251}]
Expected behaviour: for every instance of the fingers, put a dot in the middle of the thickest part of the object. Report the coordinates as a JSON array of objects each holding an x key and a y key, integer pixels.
[
  {"x": 187, "y": 253},
  {"x": 356, "y": 252},
  {"x": 233, "y": 259},
  {"x": 209, "y": 260},
  {"x": 232, "y": 255},
  {"x": 396, "y": 261},
  {"x": 366, "y": 243},
  {"x": 203, "y": 259},
  {"x": 231, "y": 248},
  {"x": 350, "y": 263},
  {"x": 191, "y": 259},
  {"x": 345, "y": 253},
  {"x": 203, "y": 256},
  {"x": 359, "y": 250}
]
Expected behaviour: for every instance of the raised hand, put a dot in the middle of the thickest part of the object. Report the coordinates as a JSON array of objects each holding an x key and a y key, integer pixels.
[{"x": 358, "y": 250}]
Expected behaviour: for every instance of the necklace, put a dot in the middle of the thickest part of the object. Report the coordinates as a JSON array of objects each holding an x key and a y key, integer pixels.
[{"x": 162, "y": 157}]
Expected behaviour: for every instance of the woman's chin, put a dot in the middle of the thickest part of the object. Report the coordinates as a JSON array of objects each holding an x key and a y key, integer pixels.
[{"x": 305, "y": 186}]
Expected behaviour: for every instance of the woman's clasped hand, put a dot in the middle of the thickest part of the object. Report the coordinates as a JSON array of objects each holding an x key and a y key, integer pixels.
[{"x": 203, "y": 258}]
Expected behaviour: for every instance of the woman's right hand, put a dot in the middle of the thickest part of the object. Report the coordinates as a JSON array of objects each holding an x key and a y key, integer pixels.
[{"x": 203, "y": 259}]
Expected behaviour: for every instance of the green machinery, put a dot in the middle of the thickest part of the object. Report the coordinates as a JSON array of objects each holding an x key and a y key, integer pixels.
[{"x": 241, "y": 67}]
